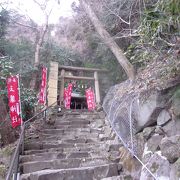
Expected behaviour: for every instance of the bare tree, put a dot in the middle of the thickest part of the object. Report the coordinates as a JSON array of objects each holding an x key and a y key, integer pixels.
[
  {"x": 109, "y": 41},
  {"x": 41, "y": 32}
]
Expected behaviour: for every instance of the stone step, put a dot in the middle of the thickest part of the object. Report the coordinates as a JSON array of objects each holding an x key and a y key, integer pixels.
[
  {"x": 34, "y": 145},
  {"x": 53, "y": 155},
  {"x": 71, "y": 149},
  {"x": 72, "y": 126},
  {"x": 80, "y": 113},
  {"x": 121, "y": 177},
  {"x": 33, "y": 166},
  {"x": 65, "y": 150},
  {"x": 59, "y": 138},
  {"x": 38, "y": 146},
  {"x": 75, "y": 122},
  {"x": 84, "y": 173},
  {"x": 88, "y": 148},
  {"x": 48, "y": 133},
  {"x": 82, "y": 119},
  {"x": 69, "y": 130},
  {"x": 48, "y": 156},
  {"x": 61, "y": 130},
  {"x": 73, "y": 119},
  {"x": 71, "y": 139},
  {"x": 67, "y": 139}
]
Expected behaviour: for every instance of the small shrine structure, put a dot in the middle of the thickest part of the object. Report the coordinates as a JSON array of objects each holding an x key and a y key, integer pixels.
[{"x": 60, "y": 75}]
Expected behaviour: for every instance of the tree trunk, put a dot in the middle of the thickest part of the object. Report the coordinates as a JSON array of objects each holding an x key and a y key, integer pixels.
[
  {"x": 7, "y": 134},
  {"x": 109, "y": 41},
  {"x": 39, "y": 43}
]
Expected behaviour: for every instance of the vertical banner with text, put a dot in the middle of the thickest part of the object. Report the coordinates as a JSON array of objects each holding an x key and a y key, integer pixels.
[
  {"x": 90, "y": 99},
  {"x": 42, "y": 94},
  {"x": 67, "y": 96},
  {"x": 14, "y": 100}
]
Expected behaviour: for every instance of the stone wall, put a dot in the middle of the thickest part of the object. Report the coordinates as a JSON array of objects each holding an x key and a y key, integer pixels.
[{"x": 155, "y": 116}]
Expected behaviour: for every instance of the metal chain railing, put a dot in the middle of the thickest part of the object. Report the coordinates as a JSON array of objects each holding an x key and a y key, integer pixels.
[{"x": 13, "y": 171}]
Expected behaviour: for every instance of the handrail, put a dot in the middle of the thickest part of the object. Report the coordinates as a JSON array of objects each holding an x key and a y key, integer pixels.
[
  {"x": 40, "y": 112},
  {"x": 20, "y": 142},
  {"x": 15, "y": 155}
]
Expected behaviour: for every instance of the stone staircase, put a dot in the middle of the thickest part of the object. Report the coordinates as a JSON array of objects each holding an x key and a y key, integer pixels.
[{"x": 78, "y": 146}]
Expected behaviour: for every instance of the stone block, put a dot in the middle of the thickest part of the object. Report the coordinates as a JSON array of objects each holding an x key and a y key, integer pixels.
[
  {"x": 158, "y": 165},
  {"x": 163, "y": 117},
  {"x": 170, "y": 128},
  {"x": 175, "y": 170},
  {"x": 149, "y": 110},
  {"x": 153, "y": 142},
  {"x": 148, "y": 132},
  {"x": 170, "y": 147}
]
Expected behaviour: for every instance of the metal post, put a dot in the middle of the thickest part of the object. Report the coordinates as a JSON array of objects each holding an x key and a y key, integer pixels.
[
  {"x": 22, "y": 146},
  {"x": 16, "y": 167}
]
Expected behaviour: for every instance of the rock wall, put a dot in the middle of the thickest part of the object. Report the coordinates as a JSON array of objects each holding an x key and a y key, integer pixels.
[{"x": 148, "y": 123}]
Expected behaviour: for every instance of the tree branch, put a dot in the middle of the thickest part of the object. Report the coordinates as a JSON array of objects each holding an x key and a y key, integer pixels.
[
  {"x": 112, "y": 12},
  {"x": 24, "y": 25}
]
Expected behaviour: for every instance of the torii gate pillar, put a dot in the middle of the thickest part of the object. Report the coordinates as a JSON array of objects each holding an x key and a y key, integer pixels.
[
  {"x": 62, "y": 87},
  {"x": 97, "y": 91}
]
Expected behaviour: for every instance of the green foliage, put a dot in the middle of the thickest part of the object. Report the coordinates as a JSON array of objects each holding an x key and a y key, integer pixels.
[
  {"x": 160, "y": 22},
  {"x": 158, "y": 32},
  {"x": 102, "y": 57},
  {"x": 4, "y": 21},
  {"x": 6, "y": 67},
  {"x": 177, "y": 93},
  {"x": 64, "y": 56},
  {"x": 138, "y": 55},
  {"x": 28, "y": 102},
  {"x": 22, "y": 54},
  {"x": 28, "y": 96},
  {"x": 2, "y": 170}
]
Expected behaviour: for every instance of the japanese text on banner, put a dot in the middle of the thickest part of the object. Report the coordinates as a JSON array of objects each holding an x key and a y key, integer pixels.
[
  {"x": 90, "y": 99},
  {"x": 42, "y": 94},
  {"x": 67, "y": 96},
  {"x": 14, "y": 100}
]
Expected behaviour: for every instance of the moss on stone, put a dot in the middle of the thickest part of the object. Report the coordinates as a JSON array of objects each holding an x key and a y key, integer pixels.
[
  {"x": 7, "y": 151},
  {"x": 2, "y": 170},
  {"x": 154, "y": 167},
  {"x": 128, "y": 177}
]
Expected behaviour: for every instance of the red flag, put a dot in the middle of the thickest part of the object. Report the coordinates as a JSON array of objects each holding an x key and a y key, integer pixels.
[
  {"x": 90, "y": 99},
  {"x": 67, "y": 96},
  {"x": 42, "y": 94},
  {"x": 14, "y": 100}
]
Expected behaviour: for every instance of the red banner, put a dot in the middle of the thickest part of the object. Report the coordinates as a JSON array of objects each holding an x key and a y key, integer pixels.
[
  {"x": 67, "y": 96},
  {"x": 14, "y": 100},
  {"x": 42, "y": 94},
  {"x": 90, "y": 99}
]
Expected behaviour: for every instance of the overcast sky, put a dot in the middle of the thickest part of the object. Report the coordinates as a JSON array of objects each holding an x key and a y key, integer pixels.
[{"x": 33, "y": 11}]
